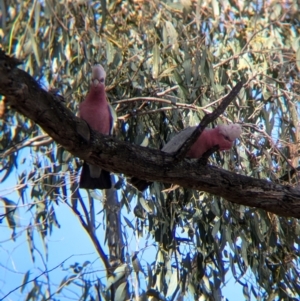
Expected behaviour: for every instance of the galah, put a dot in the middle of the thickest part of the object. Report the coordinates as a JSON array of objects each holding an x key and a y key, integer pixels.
[
  {"x": 99, "y": 115},
  {"x": 222, "y": 136}
]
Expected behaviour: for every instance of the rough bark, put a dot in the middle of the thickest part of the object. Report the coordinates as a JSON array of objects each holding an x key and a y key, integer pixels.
[{"x": 29, "y": 99}]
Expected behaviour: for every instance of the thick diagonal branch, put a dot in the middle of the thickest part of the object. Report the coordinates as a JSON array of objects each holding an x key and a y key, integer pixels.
[{"x": 22, "y": 91}]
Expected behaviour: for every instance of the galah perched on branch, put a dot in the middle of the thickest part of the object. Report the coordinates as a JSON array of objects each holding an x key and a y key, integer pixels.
[
  {"x": 222, "y": 136},
  {"x": 99, "y": 115}
]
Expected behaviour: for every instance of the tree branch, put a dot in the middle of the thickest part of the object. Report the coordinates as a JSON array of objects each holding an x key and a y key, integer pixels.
[
  {"x": 46, "y": 272},
  {"x": 88, "y": 227},
  {"x": 45, "y": 140},
  {"x": 29, "y": 99}
]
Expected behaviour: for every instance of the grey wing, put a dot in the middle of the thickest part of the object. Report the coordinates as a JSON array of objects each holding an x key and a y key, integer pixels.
[
  {"x": 113, "y": 118},
  {"x": 173, "y": 145},
  {"x": 178, "y": 140}
]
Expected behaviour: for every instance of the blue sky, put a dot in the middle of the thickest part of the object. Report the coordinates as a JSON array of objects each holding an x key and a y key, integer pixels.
[{"x": 69, "y": 244}]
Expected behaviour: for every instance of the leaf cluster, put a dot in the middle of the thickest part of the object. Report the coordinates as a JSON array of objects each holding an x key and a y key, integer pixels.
[{"x": 168, "y": 64}]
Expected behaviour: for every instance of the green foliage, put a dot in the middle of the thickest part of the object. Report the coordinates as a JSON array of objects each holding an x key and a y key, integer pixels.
[{"x": 167, "y": 65}]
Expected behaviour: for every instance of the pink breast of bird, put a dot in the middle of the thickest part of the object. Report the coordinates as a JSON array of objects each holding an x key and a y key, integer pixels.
[
  {"x": 95, "y": 111},
  {"x": 208, "y": 139}
]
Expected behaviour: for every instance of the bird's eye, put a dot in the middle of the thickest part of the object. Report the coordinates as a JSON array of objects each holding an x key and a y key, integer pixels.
[
  {"x": 227, "y": 138},
  {"x": 102, "y": 80}
]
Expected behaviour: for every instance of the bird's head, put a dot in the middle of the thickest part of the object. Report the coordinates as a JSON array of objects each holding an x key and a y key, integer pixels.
[
  {"x": 228, "y": 133},
  {"x": 98, "y": 76}
]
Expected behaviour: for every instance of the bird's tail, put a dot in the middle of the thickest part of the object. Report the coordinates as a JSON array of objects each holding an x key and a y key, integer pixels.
[{"x": 87, "y": 182}]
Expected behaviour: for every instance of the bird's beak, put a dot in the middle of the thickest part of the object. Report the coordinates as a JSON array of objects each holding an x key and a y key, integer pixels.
[{"x": 97, "y": 81}]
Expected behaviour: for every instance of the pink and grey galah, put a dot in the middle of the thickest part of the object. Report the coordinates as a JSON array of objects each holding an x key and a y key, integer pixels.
[
  {"x": 99, "y": 115},
  {"x": 222, "y": 136}
]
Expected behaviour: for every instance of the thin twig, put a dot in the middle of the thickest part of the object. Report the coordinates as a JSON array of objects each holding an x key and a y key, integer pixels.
[
  {"x": 175, "y": 105},
  {"x": 88, "y": 227},
  {"x": 30, "y": 142},
  {"x": 35, "y": 278},
  {"x": 167, "y": 91}
]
